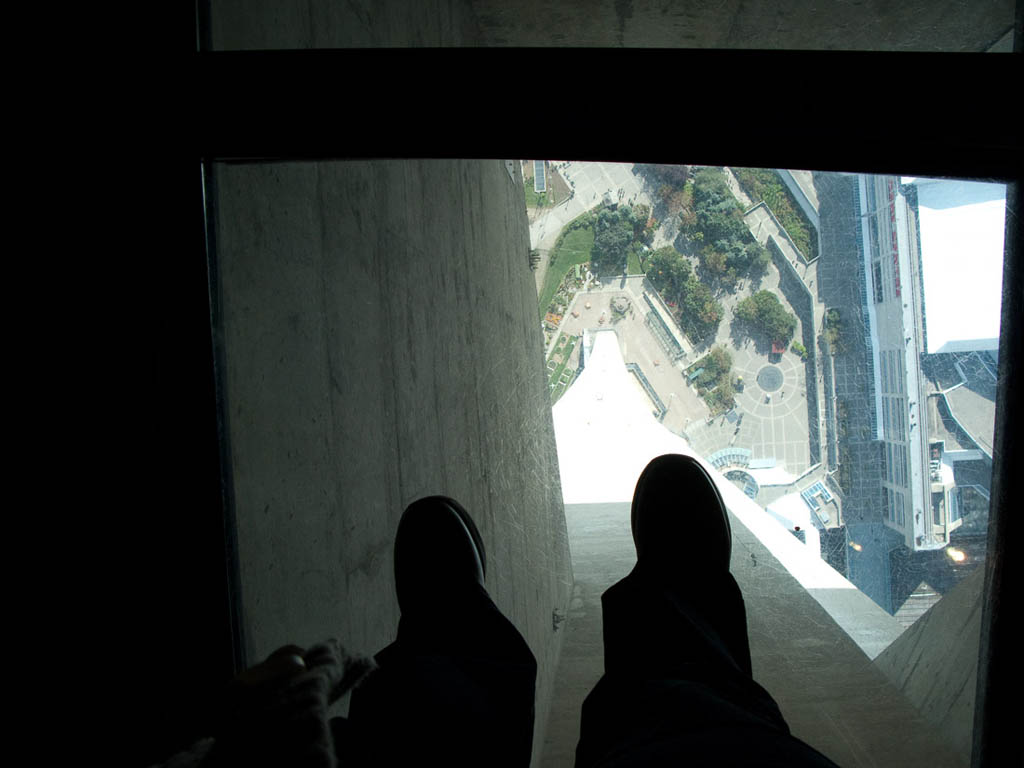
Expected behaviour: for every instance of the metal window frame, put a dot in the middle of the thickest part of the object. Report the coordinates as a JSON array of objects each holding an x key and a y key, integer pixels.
[{"x": 229, "y": 93}]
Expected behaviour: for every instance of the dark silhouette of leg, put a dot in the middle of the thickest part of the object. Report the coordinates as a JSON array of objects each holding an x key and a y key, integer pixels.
[
  {"x": 677, "y": 686},
  {"x": 456, "y": 687}
]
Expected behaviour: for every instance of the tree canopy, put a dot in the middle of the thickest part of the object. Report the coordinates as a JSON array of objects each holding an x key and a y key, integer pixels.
[
  {"x": 669, "y": 271},
  {"x": 671, "y": 274},
  {"x": 613, "y": 234},
  {"x": 715, "y": 382},
  {"x": 618, "y": 233},
  {"x": 670, "y": 174},
  {"x": 764, "y": 311},
  {"x": 726, "y": 248}
]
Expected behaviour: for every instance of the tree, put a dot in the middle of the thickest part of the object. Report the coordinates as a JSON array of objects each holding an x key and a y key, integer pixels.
[
  {"x": 715, "y": 383},
  {"x": 669, "y": 272},
  {"x": 675, "y": 175},
  {"x": 722, "y": 223},
  {"x": 719, "y": 360},
  {"x": 719, "y": 266},
  {"x": 723, "y": 397},
  {"x": 700, "y": 313},
  {"x": 758, "y": 258},
  {"x": 763, "y": 310},
  {"x": 613, "y": 233},
  {"x": 641, "y": 213},
  {"x": 834, "y": 331},
  {"x": 709, "y": 187}
]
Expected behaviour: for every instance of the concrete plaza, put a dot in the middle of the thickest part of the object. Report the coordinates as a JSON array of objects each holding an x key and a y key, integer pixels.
[
  {"x": 770, "y": 418},
  {"x": 774, "y": 418},
  {"x": 638, "y": 345}
]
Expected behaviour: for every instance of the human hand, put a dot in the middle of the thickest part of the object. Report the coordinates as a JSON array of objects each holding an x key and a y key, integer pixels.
[{"x": 275, "y": 713}]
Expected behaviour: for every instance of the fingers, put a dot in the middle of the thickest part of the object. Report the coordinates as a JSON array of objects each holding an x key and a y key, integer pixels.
[
  {"x": 282, "y": 664},
  {"x": 328, "y": 661},
  {"x": 340, "y": 669}
]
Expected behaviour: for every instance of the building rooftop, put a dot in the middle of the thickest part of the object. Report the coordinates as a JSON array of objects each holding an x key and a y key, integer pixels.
[
  {"x": 962, "y": 225},
  {"x": 975, "y": 413}
]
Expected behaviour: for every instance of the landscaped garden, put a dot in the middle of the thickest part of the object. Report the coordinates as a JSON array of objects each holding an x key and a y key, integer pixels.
[
  {"x": 720, "y": 237},
  {"x": 559, "y": 372},
  {"x": 620, "y": 233},
  {"x": 574, "y": 247},
  {"x": 712, "y": 375},
  {"x": 764, "y": 184},
  {"x": 609, "y": 240},
  {"x": 693, "y": 304}
]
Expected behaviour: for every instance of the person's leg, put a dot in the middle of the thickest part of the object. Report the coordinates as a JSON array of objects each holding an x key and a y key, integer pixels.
[
  {"x": 680, "y": 605},
  {"x": 655, "y": 633},
  {"x": 457, "y": 685},
  {"x": 677, "y": 677}
]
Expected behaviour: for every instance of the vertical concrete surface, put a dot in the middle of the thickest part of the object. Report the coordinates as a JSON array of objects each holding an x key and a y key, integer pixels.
[
  {"x": 381, "y": 344},
  {"x": 923, "y": 25},
  {"x": 935, "y": 662},
  {"x": 280, "y": 24}
]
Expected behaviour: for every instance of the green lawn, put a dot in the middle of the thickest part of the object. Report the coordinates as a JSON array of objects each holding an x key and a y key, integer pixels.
[
  {"x": 574, "y": 248},
  {"x": 633, "y": 264},
  {"x": 534, "y": 199}
]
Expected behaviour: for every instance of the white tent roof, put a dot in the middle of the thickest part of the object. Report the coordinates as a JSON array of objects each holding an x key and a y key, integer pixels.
[
  {"x": 604, "y": 428},
  {"x": 962, "y": 262}
]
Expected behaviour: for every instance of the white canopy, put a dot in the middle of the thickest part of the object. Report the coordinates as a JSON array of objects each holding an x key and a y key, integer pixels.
[{"x": 961, "y": 226}]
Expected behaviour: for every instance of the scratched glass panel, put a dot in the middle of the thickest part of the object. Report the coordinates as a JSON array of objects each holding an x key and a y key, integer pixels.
[{"x": 827, "y": 342}]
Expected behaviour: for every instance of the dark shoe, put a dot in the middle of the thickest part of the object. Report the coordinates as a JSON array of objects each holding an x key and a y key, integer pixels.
[
  {"x": 439, "y": 555},
  {"x": 680, "y": 524}
]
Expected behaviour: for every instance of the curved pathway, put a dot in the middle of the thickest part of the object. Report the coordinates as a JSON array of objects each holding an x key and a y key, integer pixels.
[{"x": 589, "y": 182}]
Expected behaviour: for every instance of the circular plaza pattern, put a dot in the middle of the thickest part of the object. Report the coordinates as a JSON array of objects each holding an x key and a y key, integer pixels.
[
  {"x": 769, "y": 378},
  {"x": 771, "y": 425}
]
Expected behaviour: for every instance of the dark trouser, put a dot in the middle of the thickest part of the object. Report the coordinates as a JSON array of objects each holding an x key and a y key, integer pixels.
[
  {"x": 458, "y": 689},
  {"x": 677, "y": 687},
  {"x": 455, "y": 688}
]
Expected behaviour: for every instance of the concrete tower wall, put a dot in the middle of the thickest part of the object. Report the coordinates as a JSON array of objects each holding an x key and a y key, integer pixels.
[
  {"x": 381, "y": 344},
  {"x": 935, "y": 25}
]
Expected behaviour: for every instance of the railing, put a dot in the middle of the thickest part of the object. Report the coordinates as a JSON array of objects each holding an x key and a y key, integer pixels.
[{"x": 658, "y": 404}]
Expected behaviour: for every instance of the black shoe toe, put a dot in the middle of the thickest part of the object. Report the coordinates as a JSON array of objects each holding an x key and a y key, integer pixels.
[
  {"x": 439, "y": 554},
  {"x": 680, "y": 524}
]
